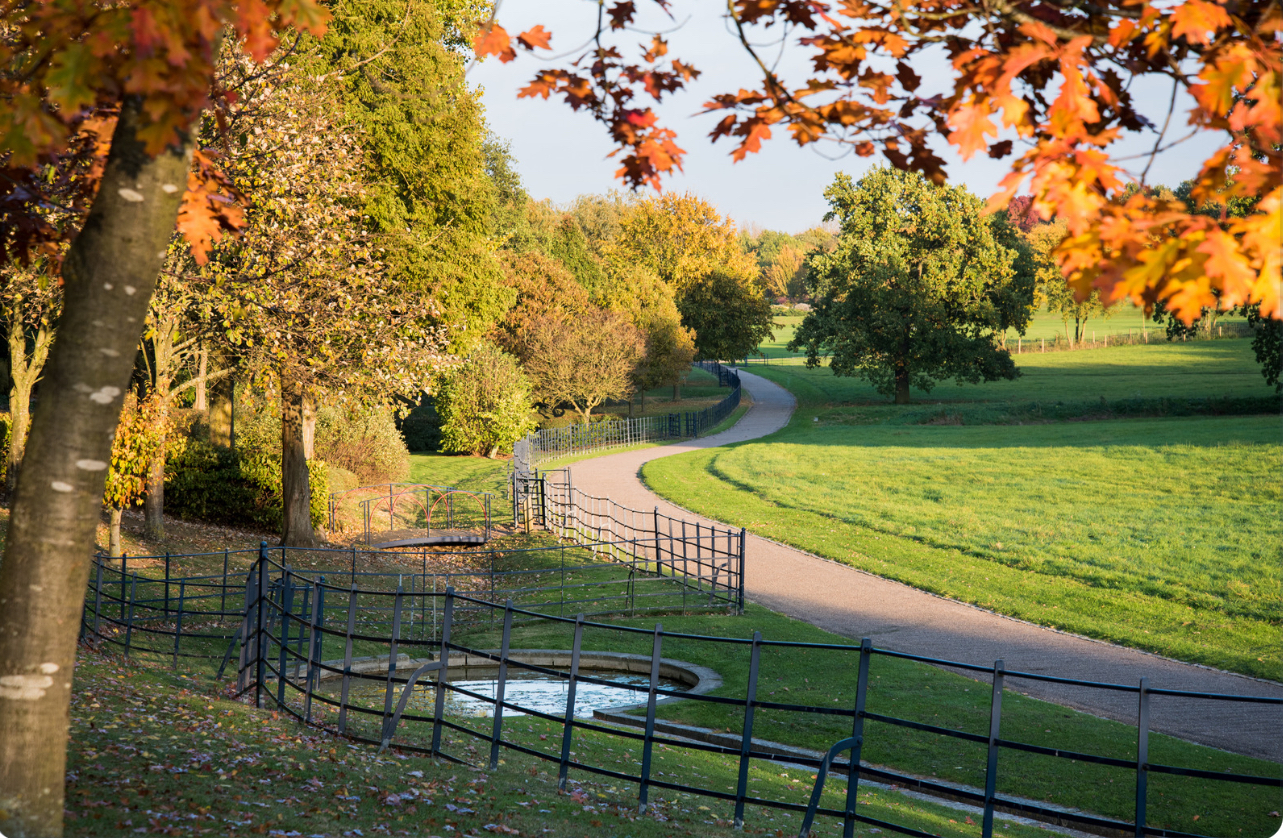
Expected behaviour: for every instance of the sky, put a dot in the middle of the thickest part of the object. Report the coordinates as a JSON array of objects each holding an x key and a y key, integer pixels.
[{"x": 561, "y": 154}]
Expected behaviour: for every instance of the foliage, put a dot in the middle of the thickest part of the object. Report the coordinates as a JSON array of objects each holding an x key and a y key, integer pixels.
[
  {"x": 141, "y": 432},
  {"x": 649, "y": 304},
  {"x": 1051, "y": 289},
  {"x": 1267, "y": 345},
  {"x": 543, "y": 288},
  {"x": 433, "y": 185},
  {"x": 728, "y": 313},
  {"x": 582, "y": 360},
  {"x": 363, "y": 440},
  {"x": 680, "y": 239},
  {"x": 1049, "y": 78},
  {"x": 484, "y": 403},
  {"x": 917, "y": 288},
  {"x": 785, "y": 275},
  {"x": 421, "y": 427}
]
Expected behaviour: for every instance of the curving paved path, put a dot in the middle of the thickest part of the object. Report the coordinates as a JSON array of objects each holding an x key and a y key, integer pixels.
[{"x": 856, "y": 604}]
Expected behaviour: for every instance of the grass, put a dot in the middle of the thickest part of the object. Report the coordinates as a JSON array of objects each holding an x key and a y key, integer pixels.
[
  {"x": 1158, "y": 534},
  {"x": 922, "y": 693}
]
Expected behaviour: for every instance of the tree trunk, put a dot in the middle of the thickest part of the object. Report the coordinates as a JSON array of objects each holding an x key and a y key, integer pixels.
[
  {"x": 109, "y": 275},
  {"x": 309, "y": 429},
  {"x": 202, "y": 369},
  {"x": 154, "y": 501},
  {"x": 24, "y": 372},
  {"x": 221, "y": 410},
  {"x": 296, "y": 493},
  {"x": 113, "y": 542},
  {"x": 901, "y": 385},
  {"x": 677, "y": 390}
]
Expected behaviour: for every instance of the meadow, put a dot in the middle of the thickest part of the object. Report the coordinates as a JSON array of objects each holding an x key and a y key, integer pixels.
[{"x": 1159, "y": 532}]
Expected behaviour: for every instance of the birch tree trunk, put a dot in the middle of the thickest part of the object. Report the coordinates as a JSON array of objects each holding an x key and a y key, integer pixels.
[{"x": 109, "y": 275}]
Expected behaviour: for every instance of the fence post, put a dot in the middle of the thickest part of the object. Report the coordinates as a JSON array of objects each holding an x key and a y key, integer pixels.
[
  {"x": 857, "y": 733},
  {"x": 124, "y": 567},
  {"x": 260, "y": 661},
  {"x": 392, "y": 651},
  {"x": 222, "y": 602},
  {"x": 991, "y": 769},
  {"x": 178, "y": 625},
  {"x": 248, "y": 633},
  {"x": 497, "y": 731},
  {"x": 746, "y": 738},
  {"x": 97, "y": 594},
  {"x": 313, "y": 646},
  {"x": 743, "y": 543},
  {"x": 568, "y": 725},
  {"x": 129, "y": 625},
  {"x": 1142, "y": 757},
  {"x": 287, "y": 607},
  {"x": 167, "y": 582},
  {"x": 347, "y": 659},
  {"x": 443, "y": 674},
  {"x": 643, "y": 793}
]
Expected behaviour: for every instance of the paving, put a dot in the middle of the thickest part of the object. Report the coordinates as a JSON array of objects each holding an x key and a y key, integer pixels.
[{"x": 856, "y": 604}]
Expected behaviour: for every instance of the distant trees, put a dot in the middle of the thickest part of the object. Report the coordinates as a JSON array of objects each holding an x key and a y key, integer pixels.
[
  {"x": 729, "y": 315},
  {"x": 484, "y": 403},
  {"x": 139, "y": 436},
  {"x": 583, "y": 360},
  {"x": 917, "y": 288}
]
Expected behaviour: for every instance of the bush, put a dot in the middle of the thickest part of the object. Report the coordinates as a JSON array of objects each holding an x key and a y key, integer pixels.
[
  {"x": 363, "y": 441},
  {"x": 241, "y": 487},
  {"x": 484, "y": 404}
]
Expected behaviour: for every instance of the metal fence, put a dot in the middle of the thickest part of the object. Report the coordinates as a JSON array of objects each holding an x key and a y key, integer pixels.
[
  {"x": 286, "y": 620},
  {"x": 708, "y": 558},
  {"x": 553, "y": 443}
]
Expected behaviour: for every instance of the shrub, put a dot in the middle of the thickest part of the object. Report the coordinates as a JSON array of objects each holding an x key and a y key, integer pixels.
[
  {"x": 484, "y": 404},
  {"x": 363, "y": 441}
]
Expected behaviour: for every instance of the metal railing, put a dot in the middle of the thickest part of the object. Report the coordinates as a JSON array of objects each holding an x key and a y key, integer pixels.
[
  {"x": 287, "y": 619},
  {"x": 412, "y": 507},
  {"x": 553, "y": 443}
]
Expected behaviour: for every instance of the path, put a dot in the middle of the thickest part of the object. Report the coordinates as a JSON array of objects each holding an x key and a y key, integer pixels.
[{"x": 856, "y": 604}]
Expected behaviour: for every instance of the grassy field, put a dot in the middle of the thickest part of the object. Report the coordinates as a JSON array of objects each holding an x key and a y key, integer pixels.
[
  {"x": 1127, "y": 320},
  {"x": 1159, "y": 533}
]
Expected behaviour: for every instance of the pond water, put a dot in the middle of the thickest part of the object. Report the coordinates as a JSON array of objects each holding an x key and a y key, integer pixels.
[{"x": 529, "y": 689}]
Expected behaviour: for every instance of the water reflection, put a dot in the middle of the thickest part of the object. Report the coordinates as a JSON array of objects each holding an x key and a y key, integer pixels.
[{"x": 528, "y": 689}]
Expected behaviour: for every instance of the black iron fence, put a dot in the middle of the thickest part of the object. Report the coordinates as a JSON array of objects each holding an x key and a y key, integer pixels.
[
  {"x": 553, "y": 443},
  {"x": 353, "y": 659},
  {"x": 708, "y": 558},
  {"x": 410, "y": 508}
]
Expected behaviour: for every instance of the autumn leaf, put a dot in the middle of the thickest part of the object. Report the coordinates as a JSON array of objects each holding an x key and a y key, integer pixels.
[
  {"x": 535, "y": 38},
  {"x": 492, "y": 39},
  {"x": 1197, "y": 21},
  {"x": 971, "y": 127}
]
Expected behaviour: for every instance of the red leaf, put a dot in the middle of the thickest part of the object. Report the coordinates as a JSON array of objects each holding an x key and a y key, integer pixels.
[{"x": 493, "y": 39}]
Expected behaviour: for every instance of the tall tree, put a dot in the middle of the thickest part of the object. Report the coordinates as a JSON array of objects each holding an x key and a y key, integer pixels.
[
  {"x": 728, "y": 313},
  {"x": 680, "y": 239},
  {"x": 917, "y": 289},
  {"x": 650, "y": 305},
  {"x": 304, "y": 292},
  {"x": 400, "y": 66}
]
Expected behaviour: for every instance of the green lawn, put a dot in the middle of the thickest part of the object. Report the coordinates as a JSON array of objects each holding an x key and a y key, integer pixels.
[{"x": 1159, "y": 533}]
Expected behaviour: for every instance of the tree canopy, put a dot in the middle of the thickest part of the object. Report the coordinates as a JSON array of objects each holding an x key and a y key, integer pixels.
[{"x": 917, "y": 287}]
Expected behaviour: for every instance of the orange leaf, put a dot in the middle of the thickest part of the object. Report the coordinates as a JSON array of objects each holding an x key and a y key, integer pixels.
[
  {"x": 1198, "y": 21},
  {"x": 971, "y": 125},
  {"x": 493, "y": 39},
  {"x": 752, "y": 142},
  {"x": 535, "y": 38}
]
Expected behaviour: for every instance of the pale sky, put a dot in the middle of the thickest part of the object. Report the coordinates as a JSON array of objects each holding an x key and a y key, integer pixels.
[{"x": 561, "y": 154}]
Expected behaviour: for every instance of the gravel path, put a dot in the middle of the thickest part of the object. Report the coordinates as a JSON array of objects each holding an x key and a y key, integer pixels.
[{"x": 856, "y": 604}]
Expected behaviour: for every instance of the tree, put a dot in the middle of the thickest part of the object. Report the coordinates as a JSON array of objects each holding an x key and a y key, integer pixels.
[
  {"x": 781, "y": 276},
  {"x": 728, "y": 313},
  {"x": 542, "y": 288},
  {"x": 583, "y": 360},
  {"x": 29, "y": 302},
  {"x": 1051, "y": 286},
  {"x": 431, "y": 191},
  {"x": 305, "y": 293},
  {"x": 917, "y": 289},
  {"x": 649, "y": 304},
  {"x": 140, "y": 435},
  {"x": 484, "y": 403},
  {"x": 680, "y": 239}
]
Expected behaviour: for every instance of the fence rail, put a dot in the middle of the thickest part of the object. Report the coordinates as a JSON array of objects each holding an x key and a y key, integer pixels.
[
  {"x": 553, "y": 443},
  {"x": 285, "y": 621}
]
